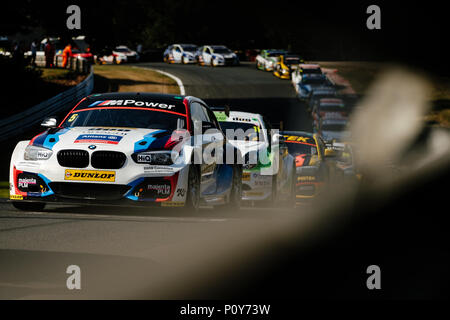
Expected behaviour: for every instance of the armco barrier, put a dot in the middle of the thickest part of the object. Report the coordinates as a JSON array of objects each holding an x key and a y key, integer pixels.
[{"x": 20, "y": 122}]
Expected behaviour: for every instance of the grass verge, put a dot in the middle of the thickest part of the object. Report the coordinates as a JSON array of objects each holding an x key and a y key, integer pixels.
[
  {"x": 128, "y": 79},
  {"x": 4, "y": 189}
]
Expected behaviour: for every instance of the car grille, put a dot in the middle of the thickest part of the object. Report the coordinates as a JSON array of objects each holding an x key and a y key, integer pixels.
[
  {"x": 97, "y": 191},
  {"x": 108, "y": 159},
  {"x": 73, "y": 158}
]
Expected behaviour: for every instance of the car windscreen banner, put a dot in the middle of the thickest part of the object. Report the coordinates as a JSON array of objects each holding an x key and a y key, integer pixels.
[{"x": 156, "y": 104}]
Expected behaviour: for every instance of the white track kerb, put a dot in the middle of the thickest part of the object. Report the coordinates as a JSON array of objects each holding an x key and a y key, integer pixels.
[{"x": 177, "y": 80}]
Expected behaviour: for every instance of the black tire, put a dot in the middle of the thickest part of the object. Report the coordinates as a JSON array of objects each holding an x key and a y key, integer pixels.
[
  {"x": 193, "y": 190},
  {"x": 29, "y": 206},
  {"x": 234, "y": 201},
  {"x": 273, "y": 197},
  {"x": 293, "y": 195},
  {"x": 183, "y": 60}
]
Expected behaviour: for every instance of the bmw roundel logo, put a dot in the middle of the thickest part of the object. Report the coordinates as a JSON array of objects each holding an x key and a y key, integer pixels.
[{"x": 92, "y": 147}]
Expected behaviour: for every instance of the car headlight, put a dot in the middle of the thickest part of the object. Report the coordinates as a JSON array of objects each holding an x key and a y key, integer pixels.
[
  {"x": 156, "y": 157},
  {"x": 37, "y": 153}
]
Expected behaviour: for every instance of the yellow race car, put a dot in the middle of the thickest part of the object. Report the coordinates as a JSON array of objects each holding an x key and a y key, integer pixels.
[
  {"x": 311, "y": 162},
  {"x": 285, "y": 65}
]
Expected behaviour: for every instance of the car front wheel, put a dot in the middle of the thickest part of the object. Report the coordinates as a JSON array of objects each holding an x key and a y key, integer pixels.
[
  {"x": 234, "y": 201},
  {"x": 193, "y": 192}
]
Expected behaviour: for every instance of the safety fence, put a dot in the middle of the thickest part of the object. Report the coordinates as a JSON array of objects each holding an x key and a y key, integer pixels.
[{"x": 19, "y": 123}]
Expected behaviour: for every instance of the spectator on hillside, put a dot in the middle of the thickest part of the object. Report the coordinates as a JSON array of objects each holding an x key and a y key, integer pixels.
[
  {"x": 49, "y": 54},
  {"x": 67, "y": 53},
  {"x": 34, "y": 46},
  {"x": 139, "y": 51},
  {"x": 17, "y": 53}
]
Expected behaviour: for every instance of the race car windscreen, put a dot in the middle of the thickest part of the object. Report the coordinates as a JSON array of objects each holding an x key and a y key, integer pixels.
[
  {"x": 314, "y": 81},
  {"x": 334, "y": 127},
  {"x": 189, "y": 48},
  {"x": 312, "y": 71},
  {"x": 296, "y": 147},
  {"x": 292, "y": 60},
  {"x": 332, "y": 108},
  {"x": 122, "y": 50},
  {"x": 274, "y": 54},
  {"x": 252, "y": 132},
  {"x": 110, "y": 117},
  {"x": 222, "y": 50}
]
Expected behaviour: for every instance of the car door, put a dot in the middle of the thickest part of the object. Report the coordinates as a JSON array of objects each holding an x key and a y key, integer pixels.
[
  {"x": 324, "y": 168},
  {"x": 207, "y": 55},
  {"x": 206, "y": 141},
  {"x": 177, "y": 54}
]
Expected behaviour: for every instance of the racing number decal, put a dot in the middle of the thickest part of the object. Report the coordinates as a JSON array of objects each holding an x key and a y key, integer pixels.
[{"x": 73, "y": 117}]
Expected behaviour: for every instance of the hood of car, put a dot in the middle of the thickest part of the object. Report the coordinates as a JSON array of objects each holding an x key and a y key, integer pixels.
[
  {"x": 128, "y": 140},
  {"x": 247, "y": 146}
]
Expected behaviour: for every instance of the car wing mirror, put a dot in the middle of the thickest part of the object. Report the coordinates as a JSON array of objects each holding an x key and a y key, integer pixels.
[{"x": 50, "y": 122}]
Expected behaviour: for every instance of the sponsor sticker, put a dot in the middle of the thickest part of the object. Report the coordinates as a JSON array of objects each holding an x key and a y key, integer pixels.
[
  {"x": 24, "y": 182},
  {"x": 172, "y": 204},
  {"x": 158, "y": 169},
  {"x": 160, "y": 189},
  {"x": 98, "y": 138},
  {"x": 90, "y": 175},
  {"x": 306, "y": 178},
  {"x": 137, "y": 103},
  {"x": 245, "y": 176},
  {"x": 16, "y": 197},
  {"x": 221, "y": 116}
]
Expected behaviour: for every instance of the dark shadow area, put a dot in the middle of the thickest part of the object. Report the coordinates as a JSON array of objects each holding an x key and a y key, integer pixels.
[
  {"x": 289, "y": 110},
  {"x": 401, "y": 233},
  {"x": 441, "y": 104}
]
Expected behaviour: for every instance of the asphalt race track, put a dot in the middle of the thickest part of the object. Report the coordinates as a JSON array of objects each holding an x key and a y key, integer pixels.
[
  {"x": 121, "y": 250},
  {"x": 243, "y": 88}
]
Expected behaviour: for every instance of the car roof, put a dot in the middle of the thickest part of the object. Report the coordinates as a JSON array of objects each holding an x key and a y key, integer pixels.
[
  {"x": 309, "y": 66},
  {"x": 323, "y": 89},
  {"x": 331, "y": 101},
  {"x": 298, "y": 133},
  {"x": 334, "y": 121},
  {"x": 239, "y": 116},
  {"x": 184, "y": 44},
  {"x": 215, "y": 46},
  {"x": 133, "y": 95}
]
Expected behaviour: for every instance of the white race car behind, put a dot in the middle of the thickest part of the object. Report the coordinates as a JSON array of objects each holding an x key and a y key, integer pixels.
[
  {"x": 213, "y": 55},
  {"x": 269, "y": 169},
  {"x": 180, "y": 53}
]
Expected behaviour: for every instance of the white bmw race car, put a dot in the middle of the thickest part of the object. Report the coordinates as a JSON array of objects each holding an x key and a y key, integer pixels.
[
  {"x": 127, "y": 148},
  {"x": 216, "y": 56},
  {"x": 269, "y": 169},
  {"x": 180, "y": 53}
]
